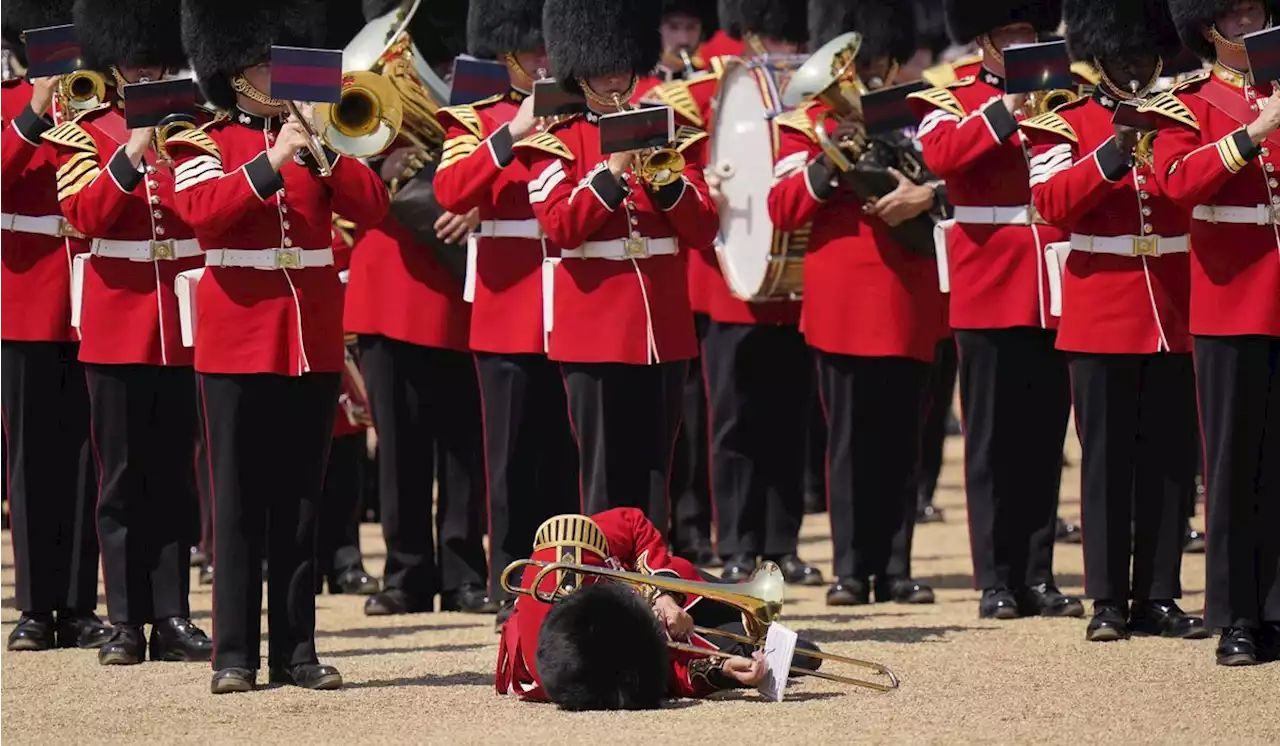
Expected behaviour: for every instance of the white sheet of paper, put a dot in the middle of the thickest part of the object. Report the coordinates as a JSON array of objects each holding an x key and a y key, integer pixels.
[{"x": 779, "y": 649}]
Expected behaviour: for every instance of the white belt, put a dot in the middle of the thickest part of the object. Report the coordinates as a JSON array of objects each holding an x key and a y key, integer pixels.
[
  {"x": 1256, "y": 215},
  {"x": 528, "y": 228},
  {"x": 622, "y": 248},
  {"x": 45, "y": 225},
  {"x": 269, "y": 258},
  {"x": 1015, "y": 215},
  {"x": 1130, "y": 245},
  {"x": 145, "y": 251}
]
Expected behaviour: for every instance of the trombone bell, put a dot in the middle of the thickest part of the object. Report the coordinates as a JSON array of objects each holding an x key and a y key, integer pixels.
[{"x": 366, "y": 119}]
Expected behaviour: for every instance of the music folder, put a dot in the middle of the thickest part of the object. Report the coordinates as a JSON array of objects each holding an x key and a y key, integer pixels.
[
  {"x": 52, "y": 50},
  {"x": 306, "y": 74},
  {"x": 1263, "y": 49},
  {"x": 1127, "y": 114},
  {"x": 475, "y": 80},
  {"x": 146, "y": 104},
  {"x": 650, "y": 127},
  {"x": 1037, "y": 67},
  {"x": 886, "y": 110},
  {"x": 550, "y": 100}
]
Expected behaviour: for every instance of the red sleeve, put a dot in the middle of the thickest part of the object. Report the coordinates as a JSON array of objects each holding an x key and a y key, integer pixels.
[
  {"x": 952, "y": 144},
  {"x": 1066, "y": 186},
  {"x": 1188, "y": 169},
  {"x": 469, "y": 166},
  {"x": 569, "y": 210},
  {"x": 211, "y": 200},
  {"x": 801, "y": 181},
  {"x": 356, "y": 192},
  {"x": 91, "y": 194},
  {"x": 688, "y": 677},
  {"x": 694, "y": 215},
  {"x": 19, "y": 142}
]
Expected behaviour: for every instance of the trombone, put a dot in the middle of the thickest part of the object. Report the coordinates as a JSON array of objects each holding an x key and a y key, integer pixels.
[
  {"x": 759, "y": 598},
  {"x": 658, "y": 167}
]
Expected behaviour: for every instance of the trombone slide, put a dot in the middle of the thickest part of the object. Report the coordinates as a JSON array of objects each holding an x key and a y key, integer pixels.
[{"x": 313, "y": 142}]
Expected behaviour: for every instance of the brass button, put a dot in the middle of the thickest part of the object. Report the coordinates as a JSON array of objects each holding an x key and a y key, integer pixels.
[
  {"x": 157, "y": 214},
  {"x": 155, "y": 199},
  {"x": 283, "y": 206},
  {"x": 1146, "y": 227},
  {"x": 1270, "y": 167},
  {"x": 1273, "y": 183},
  {"x": 159, "y": 230},
  {"x": 151, "y": 169},
  {"x": 1143, "y": 195},
  {"x": 288, "y": 242},
  {"x": 1142, "y": 179},
  {"x": 284, "y": 224},
  {"x": 152, "y": 184},
  {"x": 1146, "y": 211},
  {"x": 1265, "y": 151},
  {"x": 1275, "y": 199}
]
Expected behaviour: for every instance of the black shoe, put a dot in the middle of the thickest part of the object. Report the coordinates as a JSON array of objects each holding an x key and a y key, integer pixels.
[
  {"x": 1108, "y": 623},
  {"x": 1047, "y": 600},
  {"x": 504, "y": 613},
  {"x": 1193, "y": 542},
  {"x": 198, "y": 557},
  {"x": 927, "y": 513},
  {"x": 1068, "y": 533},
  {"x": 814, "y": 503},
  {"x": 231, "y": 680},
  {"x": 308, "y": 676},
  {"x": 849, "y": 592},
  {"x": 127, "y": 646},
  {"x": 469, "y": 599},
  {"x": 1163, "y": 618},
  {"x": 177, "y": 639},
  {"x": 34, "y": 632},
  {"x": 738, "y": 568},
  {"x": 903, "y": 591},
  {"x": 998, "y": 603},
  {"x": 796, "y": 571},
  {"x": 395, "y": 601},
  {"x": 206, "y": 574},
  {"x": 1237, "y": 646},
  {"x": 354, "y": 581},
  {"x": 81, "y": 630}
]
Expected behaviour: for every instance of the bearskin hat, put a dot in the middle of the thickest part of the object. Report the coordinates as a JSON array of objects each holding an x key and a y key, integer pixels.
[
  {"x": 138, "y": 33},
  {"x": 969, "y": 19},
  {"x": 931, "y": 26},
  {"x": 223, "y": 37},
  {"x": 729, "y": 18},
  {"x": 703, "y": 10},
  {"x": 1192, "y": 16},
  {"x": 778, "y": 19},
  {"x": 589, "y": 38},
  {"x": 1106, "y": 30},
  {"x": 578, "y": 660},
  {"x": 887, "y": 26},
  {"x": 17, "y": 16},
  {"x": 495, "y": 27},
  {"x": 345, "y": 19}
]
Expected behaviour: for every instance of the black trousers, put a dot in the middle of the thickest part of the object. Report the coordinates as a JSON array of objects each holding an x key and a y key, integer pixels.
[
  {"x": 755, "y": 384},
  {"x": 202, "y": 479},
  {"x": 426, "y": 406},
  {"x": 1014, "y": 399},
  {"x": 690, "y": 478},
  {"x": 1136, "y": 419},
  {"x": 269, "y": 438},
  {"x": 873, "y": 428},
  {"x": 52, "y": 482},
  {"x": 625, "y": 419},
  {"x": 531, "y": 461},
  {"x": 815, "y": 446},
  {"x": 1238, "y": 380},
  {"x": 144, "y": 427},
  {"x": 338, "y": 537}
]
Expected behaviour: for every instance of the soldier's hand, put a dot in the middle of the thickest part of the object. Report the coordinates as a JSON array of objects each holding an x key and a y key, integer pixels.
[
  {"x": 42, "y": 92},
  {"x": 906, "y": 201},
  {"x": 292, "y": 138},
  {"x": 675, "y": 620},
  {"x": 524, "y": 121},
  {"x": 400, "y": 161},
  {"x": 620, "y": 163},
  {"x": 717, "y": 196},
  {"x": 850, "y": 130},
  {"x": 453, "y": 228},
  {"x": 1014, "y": 102},
  {"x": 1268, "y": 120},
  {"x": 1126, "y": 138},
  {"x": 139, "y": 143},
  {"x": 746, "y": 671}
]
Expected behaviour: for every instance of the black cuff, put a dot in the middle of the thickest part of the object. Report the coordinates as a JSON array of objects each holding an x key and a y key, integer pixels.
[
  {"x": 309, "y": 160},
  {"x": 668, "y": 195},
  {"x": 608, "y": 189},
  {"x": 819, "y": 175},
  {"x": 1113, "y": 163},
  {"x": 500, "y": 143},
  {"x": 31, "y": 125},
  {"x": 1248, "y": 149},
  {"x": 125, "y": 174},
  {"x": 1001, "y": 121},
  {"x": 264, "y": 179},
  {"x": 941, "y": 203}
]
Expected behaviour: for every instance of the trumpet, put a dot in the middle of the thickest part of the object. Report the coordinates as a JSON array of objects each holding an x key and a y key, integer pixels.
[
  {"x": 82, "y": 90},
  {"x": 658, "y": 167},
  {"x": 759, "y": 598},
  {"x": 1043, "y": 102},
  {"x": 170, "y": 126}
]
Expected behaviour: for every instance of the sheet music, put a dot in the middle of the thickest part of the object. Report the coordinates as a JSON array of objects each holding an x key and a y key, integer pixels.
[{"x": 779, "y": 649}]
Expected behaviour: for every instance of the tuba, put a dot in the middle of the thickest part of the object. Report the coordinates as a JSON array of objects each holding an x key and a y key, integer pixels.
[{"x": 829, "y": 76}]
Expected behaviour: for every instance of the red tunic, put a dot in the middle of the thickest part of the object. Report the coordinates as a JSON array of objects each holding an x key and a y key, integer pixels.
[
  {"x": 998, "y": 279},
  {"x": 1204, "y": 158},
  {"x": 630, "y": 537},
  {"x": 35, "y": 269},
  {"x": 128, "y": 313},
  {"x": 721, "y": 45},
  {"x": 863, "y": 294},
  {"x": 479, "y": 170},
  {"x": 349, "y": 394},
  {"x": 617, "y": 310},
  {"x": 1080, "y": 181},
  {"x": 277, "y": 321}
]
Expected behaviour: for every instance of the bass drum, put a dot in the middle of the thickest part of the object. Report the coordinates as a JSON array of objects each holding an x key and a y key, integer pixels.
[{"x": 759, "y": 263}]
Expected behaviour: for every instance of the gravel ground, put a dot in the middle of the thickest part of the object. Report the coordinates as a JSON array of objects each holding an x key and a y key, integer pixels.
[{"x": 427, "y": 678}]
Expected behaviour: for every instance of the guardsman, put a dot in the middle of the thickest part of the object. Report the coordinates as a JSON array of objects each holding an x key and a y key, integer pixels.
[
  {"x": 872, "y": 347},
  {"x": 49, "y": 465},
  {"x": 413, "y": 323},
  {"x": 726, "y": 41},
  {"x": 620, "y": 321},
  {"x": 1125, "y": 290},
  {"x": 685, "y": 25},
  {"x": 268, "y": 329},
  {"x": 530, "y": 457},
  {"x": 116, "y": 185},
  {"x": 1013, "y": 382},
  {"x": 1216, "y": 155}
]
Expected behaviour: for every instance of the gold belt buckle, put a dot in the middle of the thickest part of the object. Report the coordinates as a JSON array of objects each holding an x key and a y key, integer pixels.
[
  {"x": 1146, "y": 246},
  {"x": 635, "y": 247},
  {"x": 67, "y": 230},
  {"x": 288, "y": 258},
  {"x": 162, "y": 250}
]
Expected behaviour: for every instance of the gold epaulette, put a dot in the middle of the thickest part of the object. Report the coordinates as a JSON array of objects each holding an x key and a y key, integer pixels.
[
  {"x": 676, "y": 95},
  {"x": 943, "y": 98},
  {"x": 686, "y": 136},
  {"x": 1087, "y": 71},
  {"x": 457, "y": 148},
  {"x": 1053, "y": 123},
  {"x": 78, "y": 172},
  {"x": 72, "y": 135},
  {"x": 939, "y": 75},
  {"x": 574, "y": 530},
  {"x": 1168, "y": 105},
  {"x": 547, "y": 142},
  {"x": 197, "y": 138},
  {"x": 1198, "y": 77},
  {"x": 467, "y": 117},
  {"x": 798, "y": 119},
  {"x": 717, "y": 66}
]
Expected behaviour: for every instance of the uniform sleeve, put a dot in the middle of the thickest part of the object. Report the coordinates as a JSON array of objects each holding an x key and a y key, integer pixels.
[
  {"x": 469, "y": 166},
  {"x": 1189, "y": 170},
  {"x": 92, "y": 194},
  {"x": 631, "y": 536},
  {"x": 570, "y": 210},
  {"x": 696, "y": 676},
  {"x": 210, "y": 200},
  {"x": 1064, "y": 185},
  {"x": 687, "y": 201},
  {"x": 20, "y": 141},
  {"x": 356, "y": 192},
  {"x": 802, "y": 181},
  {"x": 952, "y": 143}
]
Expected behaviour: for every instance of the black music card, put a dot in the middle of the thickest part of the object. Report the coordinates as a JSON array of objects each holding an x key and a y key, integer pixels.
[
  {"x": 1263, "y": 48},
  {"x": 1127, "y": 114},
  {"x": 650, "y": 127},
  {"x": 475, "y": 80},
  {"x": 1037, "y": 67},
  {"x": 305, "y": 74},
  {"x": 886, "y": 110},
  {"x": 146, "y": 104},
  {"x": 52, "y": 50},
  {"x": 550, "y": 100}
]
